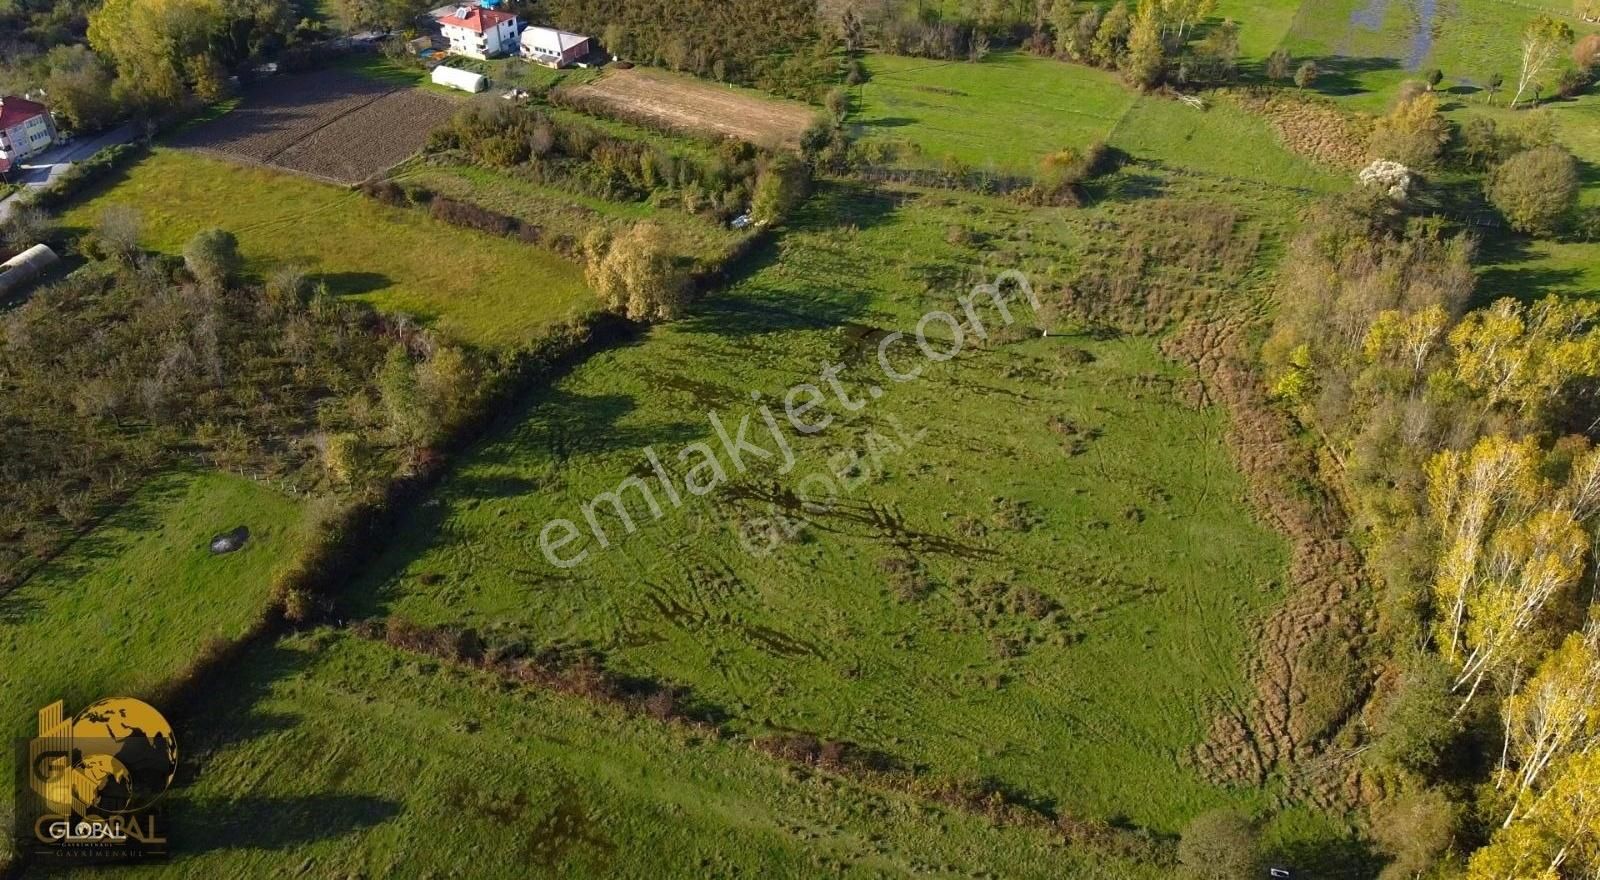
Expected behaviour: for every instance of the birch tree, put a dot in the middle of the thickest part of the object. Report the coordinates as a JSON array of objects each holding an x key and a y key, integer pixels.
[
  {"x": 1555, "y": 715},
  {"x": 1542, "y": 42}
]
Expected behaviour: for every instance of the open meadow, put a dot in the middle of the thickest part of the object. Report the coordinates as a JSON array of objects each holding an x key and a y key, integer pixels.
[
  {"x": 478, "y": 288},
  {"x": 134, "y": 601},
  {"x": 1067, "y": 519},
  {"x": 338, "y": 757},
  {"x": 1029, "y": 595},
  {"x": 1005, "y": 114}
]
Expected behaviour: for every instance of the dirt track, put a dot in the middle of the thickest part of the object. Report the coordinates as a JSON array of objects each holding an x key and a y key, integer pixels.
[{"x": 696, "y": 107}]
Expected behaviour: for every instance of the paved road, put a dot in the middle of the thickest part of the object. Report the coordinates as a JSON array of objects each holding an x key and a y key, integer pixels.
[{"x": 40, "y": 170}]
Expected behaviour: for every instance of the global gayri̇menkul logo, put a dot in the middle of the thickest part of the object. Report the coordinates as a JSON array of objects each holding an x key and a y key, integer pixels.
[{"x": 94, "y": 782}]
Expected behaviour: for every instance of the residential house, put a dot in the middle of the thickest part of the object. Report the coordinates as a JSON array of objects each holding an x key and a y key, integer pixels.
[
  {"x": 552, "y": 47},
  {"x": 479, "y": 33},
  {"x": 25, "y": 129}
]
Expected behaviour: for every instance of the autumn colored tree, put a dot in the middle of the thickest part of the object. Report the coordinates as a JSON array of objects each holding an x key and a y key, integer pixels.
[
  {"x": 1527, "y": 357},
  {"x": 1511, "y": 547},
  {"x": 1111, "y": 39},
  {"x": 637, "y": 274},
  {"x": 212, "y": 257},
  {"x": 1586, "y": 52},
  {"x": 1280, "y": 65},
  {"x": 1145, "y": 60},
  {"x": 151, "y": 43},
  {"x": 1306, "y": 76},
  {"x": 1412, "y": 133},
  {"x": 1407, "y": 340},
  {"x": 1554, "y": 715},
  {"x": 781, "y": 185}
]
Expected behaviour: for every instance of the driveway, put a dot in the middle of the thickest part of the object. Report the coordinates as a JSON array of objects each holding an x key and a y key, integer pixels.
[{"x": 40, "y": 170}]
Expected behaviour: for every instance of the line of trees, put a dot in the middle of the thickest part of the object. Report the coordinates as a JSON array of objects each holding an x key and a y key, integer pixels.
[
  {"x": 1464, "y": 437},
  {"x": 586, "y": 158},
  {"x": 776, "y": 46},
  {"x": 101, "y": 62}
]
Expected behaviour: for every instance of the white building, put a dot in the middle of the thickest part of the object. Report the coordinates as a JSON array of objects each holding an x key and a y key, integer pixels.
[
  {"x": 25, "y": 129},
  {"x": 479, "y": 33},
  {"x": 552, "y": 47},
  {"x": 456, "y": 78}
]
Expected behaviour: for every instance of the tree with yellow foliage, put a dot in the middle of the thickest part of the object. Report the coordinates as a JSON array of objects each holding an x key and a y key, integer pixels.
[
  {"x": 1558, "y": 838},
  {"x": 153, "y": 43},
  {"x": 1412, "y": 133},
  {"x": 1511, "y": 547},
  {"x": 1527, "y": 356},
  {"x": 1407, "y": 339},
  {"x": 1555, "y": 714}
]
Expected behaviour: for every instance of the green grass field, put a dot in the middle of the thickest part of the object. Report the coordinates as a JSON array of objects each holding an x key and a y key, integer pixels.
[
  {"x": 1221, "y": 141},
  {"x": 337, "y": 757},
  {"x": 1004, "y": 114},
  {"x": 481, "y": 289},
  {"x": 130, "y": 604},
  {"x": 1081, "y": 478},
  {"x": 1001, "y": 115}
]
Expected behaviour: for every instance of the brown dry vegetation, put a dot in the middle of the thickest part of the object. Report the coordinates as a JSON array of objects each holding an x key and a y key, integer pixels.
[
  {"x": 1303, "y": 695},
  {"x": 1313, "y": 128},
  {"x": 681, "y": 104}
]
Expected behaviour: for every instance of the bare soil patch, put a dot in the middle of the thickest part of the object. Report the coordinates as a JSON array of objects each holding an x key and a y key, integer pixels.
[
  {"x": 686, "y": 105},
  {"x": 370, "y": 140},
  {"x": 331, "y": 124}
]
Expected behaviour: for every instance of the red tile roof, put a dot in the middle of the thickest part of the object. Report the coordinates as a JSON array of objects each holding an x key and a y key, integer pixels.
[
  {"x": 477, "y": 20},
  {"x": 15, "y": 111}
]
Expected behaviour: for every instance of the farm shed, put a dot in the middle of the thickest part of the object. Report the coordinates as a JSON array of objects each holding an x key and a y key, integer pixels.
[
  {"x": 25, "y": 267},
  {"x": 456, "y": 78}
]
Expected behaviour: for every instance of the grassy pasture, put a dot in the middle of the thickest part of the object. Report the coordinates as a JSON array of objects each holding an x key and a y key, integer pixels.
[
  {"x": 479, "y": 288},
  {"x": 337, "y": 757},
  {"x": 1368, "y": 48},
  {"x": 1000, "y": 115},
  {"x": 1006, "y": 113},
  {"x": 1223, "y": 141},
  {"x": 131, "y": 603},
  {"x": 1081, "y": 479}
]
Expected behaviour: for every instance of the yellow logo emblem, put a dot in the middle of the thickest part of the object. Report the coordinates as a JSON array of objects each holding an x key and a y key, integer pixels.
[{"x": 95, "y": 774}]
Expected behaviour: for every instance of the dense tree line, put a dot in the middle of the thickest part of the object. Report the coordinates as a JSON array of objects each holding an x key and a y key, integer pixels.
[
  {"x": 1466, "y": 437},
  {"x": 586, "y": 158},
  {"x": 777, "y": 46},
  {"x": 98, "y": 63}
]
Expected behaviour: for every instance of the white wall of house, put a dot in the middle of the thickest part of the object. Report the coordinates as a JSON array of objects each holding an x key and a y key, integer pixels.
[
  {"x": 553, "y": 43},
  {"x": 22, "y": 141},
  {"x": 493, "y": 42}
]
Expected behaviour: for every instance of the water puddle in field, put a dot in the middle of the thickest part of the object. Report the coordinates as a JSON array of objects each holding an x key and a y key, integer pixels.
[
  {"x": 1421, "y": 31},
  {"x": 1371, "y": 17},
  {"x": 1423, "y": 36}
]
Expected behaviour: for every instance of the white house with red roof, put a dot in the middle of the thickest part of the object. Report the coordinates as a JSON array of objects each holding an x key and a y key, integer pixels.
[
  {"x": 25, "y": 129},
  {"x": 479, "y": 33}
]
